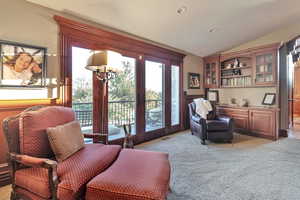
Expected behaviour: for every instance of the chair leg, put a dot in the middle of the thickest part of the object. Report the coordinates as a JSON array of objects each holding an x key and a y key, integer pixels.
[
  {"x": 203, "y": 142},
  {"x": 13, "y": 196}
]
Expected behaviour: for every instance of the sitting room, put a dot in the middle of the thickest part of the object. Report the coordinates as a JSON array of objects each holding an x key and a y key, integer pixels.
[{"x": 150, "y": 100}]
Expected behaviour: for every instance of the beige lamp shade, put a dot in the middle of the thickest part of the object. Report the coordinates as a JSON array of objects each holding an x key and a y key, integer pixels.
[{"x": 104, "y": 61}]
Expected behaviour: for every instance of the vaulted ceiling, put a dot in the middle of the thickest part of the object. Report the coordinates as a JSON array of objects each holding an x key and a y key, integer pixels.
[{"x": 206, "y": 26}]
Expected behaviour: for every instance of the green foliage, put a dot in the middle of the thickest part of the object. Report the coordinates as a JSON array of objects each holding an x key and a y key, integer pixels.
[{"x": 82, "y": 92}]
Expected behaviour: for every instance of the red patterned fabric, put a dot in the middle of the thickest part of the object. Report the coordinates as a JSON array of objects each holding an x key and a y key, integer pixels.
[
  {"x": 34, "y": 180},
  {"x": 73, "y": 173},
  {"x": 28, "y": 195},
  {"x": 33, "y": 125},
  {"x": 135, "y": 175}
]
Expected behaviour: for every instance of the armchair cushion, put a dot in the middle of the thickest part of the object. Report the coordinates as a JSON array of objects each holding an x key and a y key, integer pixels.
[
  {"x": 76, "y": 171},
  {"x": 217, "y": 125},
  {"x": 33, "y": 125},
  {"x": 65, "y": 139}
]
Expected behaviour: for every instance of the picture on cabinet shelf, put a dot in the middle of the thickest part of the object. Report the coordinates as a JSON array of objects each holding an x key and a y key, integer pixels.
[
  {"x": 22, "y": 65},
  {"x": 194, "y": 81},
  {"x": 269, "y": 99}
]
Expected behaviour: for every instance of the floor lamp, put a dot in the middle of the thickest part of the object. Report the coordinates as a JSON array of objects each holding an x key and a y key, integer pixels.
[{"x": 105, "y": 64}]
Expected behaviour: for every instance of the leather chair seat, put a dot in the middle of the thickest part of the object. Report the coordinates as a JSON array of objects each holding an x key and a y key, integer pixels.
[
  {"x": 135, "y": 175},
  {"x": 74, "y": 173},
  {"x": 216, "y": 125}
]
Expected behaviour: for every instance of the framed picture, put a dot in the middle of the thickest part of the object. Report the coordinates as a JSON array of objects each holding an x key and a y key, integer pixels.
[
  {"x": 193, "y": 81},
  {"x": 269, "y": 99},
  {"x": 213, "y": 96},
  {"x": 22, "y": 65}
]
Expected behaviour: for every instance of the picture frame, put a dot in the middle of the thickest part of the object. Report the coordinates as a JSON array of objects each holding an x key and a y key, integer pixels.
[
  {"x": 269, "y": 99},
  {"x": 194, "y": 81},
  {"x": 213, "y": 96},
  {"x": 22, "y": 65}
]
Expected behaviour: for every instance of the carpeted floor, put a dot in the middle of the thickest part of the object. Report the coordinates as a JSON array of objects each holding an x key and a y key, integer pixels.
[{"x": 249, "y": 169}]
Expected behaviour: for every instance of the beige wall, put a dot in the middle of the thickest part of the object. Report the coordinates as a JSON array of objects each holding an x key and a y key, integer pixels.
[
  {"x": 281, "y": 35},
  {"x": 34, "y": 25},
  {"x": 192, "y": 64},
  {"x": 253, "y": 95}
]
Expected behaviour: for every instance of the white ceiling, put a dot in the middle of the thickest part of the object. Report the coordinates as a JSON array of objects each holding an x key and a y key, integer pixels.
[{"x": 235, "y": 21}]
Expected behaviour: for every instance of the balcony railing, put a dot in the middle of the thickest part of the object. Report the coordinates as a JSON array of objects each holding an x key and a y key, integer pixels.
[{"x": 119, "y": 112}]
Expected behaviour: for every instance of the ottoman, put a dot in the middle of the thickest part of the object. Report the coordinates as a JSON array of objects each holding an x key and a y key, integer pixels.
[{"x": 135, "y": 175}]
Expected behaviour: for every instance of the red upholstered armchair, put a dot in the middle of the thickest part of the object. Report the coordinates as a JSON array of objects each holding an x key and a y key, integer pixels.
[{"x": 35, "y": 172}]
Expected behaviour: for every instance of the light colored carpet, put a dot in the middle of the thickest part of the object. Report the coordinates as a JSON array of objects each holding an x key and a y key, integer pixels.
[{"x": 249, "y": 169}]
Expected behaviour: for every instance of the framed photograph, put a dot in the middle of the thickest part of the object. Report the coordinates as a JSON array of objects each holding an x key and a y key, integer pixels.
[
  {"x": 22, "y": 65},
  {"x": 269, "y": 99},
  {"x": 193, "y": 81},
  {"x": 213, "y": 96}
]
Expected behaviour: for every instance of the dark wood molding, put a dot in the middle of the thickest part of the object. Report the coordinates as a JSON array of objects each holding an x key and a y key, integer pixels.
[
  {"x": 4, "y": 174},
  {"x": 113, "y": 40}
]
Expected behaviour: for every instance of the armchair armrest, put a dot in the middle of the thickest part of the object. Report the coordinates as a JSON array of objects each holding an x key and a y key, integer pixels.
[
  {"x": 93, "y": 135},
  {"x": 226, "y": 119},
  {"x": 198, "y": 119},
  {"x": 32, "y": 161}
]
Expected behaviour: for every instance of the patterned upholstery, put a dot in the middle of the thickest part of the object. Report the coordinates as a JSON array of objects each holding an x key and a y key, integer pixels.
[
  {"x": 33, "y": 125},
  {"x": 34, "y": 180},
  {"x": 135, "y": 175},
  {"x": 73, "y": 173},
  {"x": 28, "y": 195}
]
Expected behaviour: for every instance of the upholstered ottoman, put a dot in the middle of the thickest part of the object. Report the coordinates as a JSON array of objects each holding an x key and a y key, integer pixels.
[{"x": 135, "y": 175}]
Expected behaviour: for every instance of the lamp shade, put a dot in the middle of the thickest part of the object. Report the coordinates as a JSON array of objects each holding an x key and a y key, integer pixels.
[{"x": 103, "y": 61}]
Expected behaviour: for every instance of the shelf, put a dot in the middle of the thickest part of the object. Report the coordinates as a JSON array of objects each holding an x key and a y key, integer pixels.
[
  {"x": 247, "y": 67},
  {"x": 236, "y": 76}
]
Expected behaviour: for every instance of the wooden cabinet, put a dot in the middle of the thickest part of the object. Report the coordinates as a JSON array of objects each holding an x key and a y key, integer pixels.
[
  {"x": 255, "y": 121},
  {"x": 265, "y": 67},
  {"x": 255, "y": 67},
  {"x": 211, "y": 71},
  {"x": 262, "y": 122}
]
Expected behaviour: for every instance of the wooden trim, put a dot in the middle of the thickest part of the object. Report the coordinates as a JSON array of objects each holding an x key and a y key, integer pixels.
[
  {"x": 248, "y": 52},
  {"x": 114, "y": 40},
  {"x": 4, "y": 174}
]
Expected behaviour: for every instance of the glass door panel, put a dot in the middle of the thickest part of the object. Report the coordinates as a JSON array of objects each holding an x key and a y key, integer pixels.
[
  {"x": 154, "y": 95},
  {"x": 175, "y": 98},
  {"x": 82, "y": 89},
  {"x": 122, "y": 100}
]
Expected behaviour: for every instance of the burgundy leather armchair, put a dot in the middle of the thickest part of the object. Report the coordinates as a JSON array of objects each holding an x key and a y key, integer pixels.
[{"x": 214, "y": 128}]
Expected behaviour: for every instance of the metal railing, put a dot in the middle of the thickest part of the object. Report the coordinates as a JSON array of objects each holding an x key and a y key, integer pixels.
[{"x": 119, "y": 112}]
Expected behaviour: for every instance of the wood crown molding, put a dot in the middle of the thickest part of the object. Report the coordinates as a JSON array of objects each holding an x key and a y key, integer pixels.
[
  {"x": 249, "y": 51},
  {"x": 78, "y": 30}
]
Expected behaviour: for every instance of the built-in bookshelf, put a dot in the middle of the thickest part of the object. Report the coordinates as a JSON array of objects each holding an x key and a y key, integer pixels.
[{"x": 236, "y": 72}]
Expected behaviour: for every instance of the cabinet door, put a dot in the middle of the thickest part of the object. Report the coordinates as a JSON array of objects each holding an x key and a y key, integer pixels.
[
  {"x": 262, "y": 122},
  {"x": 265, "y": 65},
  {"x": 211, "y": 72},
  {"x": 240, "y": 121}
]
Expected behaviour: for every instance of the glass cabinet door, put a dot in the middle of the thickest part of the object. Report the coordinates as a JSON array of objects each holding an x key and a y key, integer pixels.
[{"x": 265, "y": 69}]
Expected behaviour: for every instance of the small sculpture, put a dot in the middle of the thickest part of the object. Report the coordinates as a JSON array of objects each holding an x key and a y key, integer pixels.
[
  {"x": 236, "y": 63},
  {"x": 128, "y": 140},
  {"x": 245, "y": 103}
]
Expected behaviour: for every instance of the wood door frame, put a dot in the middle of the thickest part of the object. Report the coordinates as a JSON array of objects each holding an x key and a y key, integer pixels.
[{"x": 73, "y": 33}]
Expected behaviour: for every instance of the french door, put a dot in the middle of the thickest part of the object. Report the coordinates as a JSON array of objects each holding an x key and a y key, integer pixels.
[{"x": 145, "y": 94}]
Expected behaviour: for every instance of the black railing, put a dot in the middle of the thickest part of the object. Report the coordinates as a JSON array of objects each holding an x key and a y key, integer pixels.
[{"x": 119, "y": 112}]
